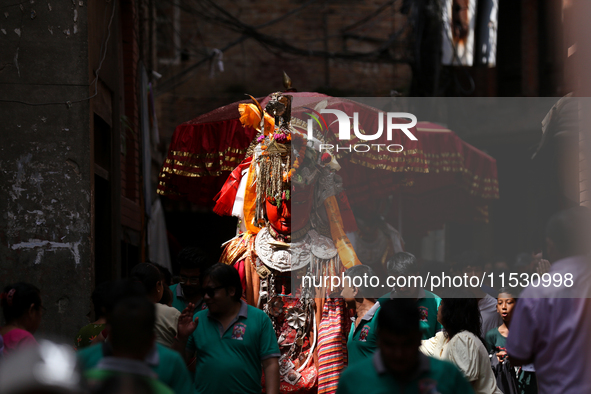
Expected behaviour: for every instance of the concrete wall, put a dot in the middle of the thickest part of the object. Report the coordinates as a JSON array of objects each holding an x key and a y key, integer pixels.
[{"x": 45, "y": 167}]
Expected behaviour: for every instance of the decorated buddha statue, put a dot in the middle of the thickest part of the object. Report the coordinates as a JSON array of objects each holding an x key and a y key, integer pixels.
[{"x": 289, "y": 201}]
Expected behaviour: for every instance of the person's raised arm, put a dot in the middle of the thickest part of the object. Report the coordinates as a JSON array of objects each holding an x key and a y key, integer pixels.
[{"x": 186, "y": 327}]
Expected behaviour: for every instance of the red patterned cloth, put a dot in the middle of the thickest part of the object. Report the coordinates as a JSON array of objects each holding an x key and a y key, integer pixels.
[{"x": 332, "y": 346}]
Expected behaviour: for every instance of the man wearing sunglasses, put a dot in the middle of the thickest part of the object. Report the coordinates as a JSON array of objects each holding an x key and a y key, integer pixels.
[
  {"x": 231, "y": 339},
  {"x": 192, "y": 262}
]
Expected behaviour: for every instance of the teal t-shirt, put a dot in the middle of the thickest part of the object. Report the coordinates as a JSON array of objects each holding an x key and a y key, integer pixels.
[
  {"x": 526, "y": 380},
  {"x": 230, "y": 361},
  {"x": 177, "y": 302},
  {"x": 441, "y": 377},
  {"x": 171, "y": 368},
  {"x": 362, "y": 342},
  {"x": 428, "y": 304}
]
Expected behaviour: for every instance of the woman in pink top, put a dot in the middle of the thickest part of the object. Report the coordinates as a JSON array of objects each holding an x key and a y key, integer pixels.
[{"x": 21, "y": 306}]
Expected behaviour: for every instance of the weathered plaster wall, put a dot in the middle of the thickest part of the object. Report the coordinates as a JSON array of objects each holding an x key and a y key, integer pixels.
[{"x": 45, "y": 161}]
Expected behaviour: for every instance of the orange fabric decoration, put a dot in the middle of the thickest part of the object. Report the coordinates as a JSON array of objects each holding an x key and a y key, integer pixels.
[
  {"x": 249, "y": 115},
  {"x": 250, "y": 200},
  {"x": 340, "y": 239}
]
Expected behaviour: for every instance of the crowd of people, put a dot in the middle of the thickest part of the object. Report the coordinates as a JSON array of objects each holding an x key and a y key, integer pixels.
[{"x": 198, "y": 335}]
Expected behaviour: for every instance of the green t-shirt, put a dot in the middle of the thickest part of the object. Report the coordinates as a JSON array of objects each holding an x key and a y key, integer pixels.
[
  {"x": 230, "y": 361},
  {"x": 434, "y": 376},
  {"x": 362, "y": 342},
  {"x": 526, "y": 380},
  {"x": 177, "y": 302},
  {"x": 171, "y": 368},
  {"x": 494, "y": 339},
  {"x": 428, "y": 304},
  {"x": 101, "y": 375}
]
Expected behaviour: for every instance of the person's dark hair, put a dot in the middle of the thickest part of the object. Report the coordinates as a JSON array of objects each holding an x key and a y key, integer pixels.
[
  {"x": 402, "y": 263},
  {"x": 461, "y": 314},
  {"x": 227, "y": 276},
  {"x": 17, "y": 299},
  {"x": 99, "y": 298},
  {"x": 165, "y": 274},
  {"x": 148, "y": 274},
  {"x": 399, "y": 316},
  {"x": 166, "y": 278},
  {"x": 569, "y": 230},
  {"x": 193, "y": 258},
  {"x": 512, "y": 291},
  {"x": 360, "y": 271},
  {"x": 132, "y": 325},
  {"x": 470, "y": 258},
  {"x": 123, "y": 384}
]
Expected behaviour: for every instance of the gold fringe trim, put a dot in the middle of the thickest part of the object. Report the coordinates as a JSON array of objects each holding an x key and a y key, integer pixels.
[{"x": 208, "y": 155}]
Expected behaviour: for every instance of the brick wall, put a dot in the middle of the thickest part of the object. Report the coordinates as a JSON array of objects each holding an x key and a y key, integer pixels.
[{"x": 255, "y": 69}]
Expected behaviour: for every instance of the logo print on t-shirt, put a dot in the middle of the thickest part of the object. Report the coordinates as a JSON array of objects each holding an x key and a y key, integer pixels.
[
  {"x": 424, "y": 312},
  {"x": 238, "y": 331},
  {"x": 363, "y": 333}
]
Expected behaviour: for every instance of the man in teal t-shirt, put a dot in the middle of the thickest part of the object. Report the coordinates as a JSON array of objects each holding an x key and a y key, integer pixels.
[
  {"x": 405, "y": 264},
  {"x": 362, "y": 341},
  {"x": 192, "y": 262},
  {"x": 398, "y": 366},
  {"x": 232, "y": 341}
]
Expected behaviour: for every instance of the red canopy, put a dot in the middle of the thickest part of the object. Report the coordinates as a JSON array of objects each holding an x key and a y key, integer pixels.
[
  {"x": 444, "y": 180},
  {"x": 437, "y": 178},
  {"x": 204, "y": 151}
]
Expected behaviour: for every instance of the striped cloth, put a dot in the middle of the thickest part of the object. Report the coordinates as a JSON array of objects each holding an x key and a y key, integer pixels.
[{"x": 332, "y": 345}]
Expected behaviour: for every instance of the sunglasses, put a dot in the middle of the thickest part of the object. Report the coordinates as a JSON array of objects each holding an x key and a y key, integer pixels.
[{"x": 210, "y": 291}]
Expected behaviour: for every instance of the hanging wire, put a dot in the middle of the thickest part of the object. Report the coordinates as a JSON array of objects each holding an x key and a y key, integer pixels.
[
  {"x": 69, "y": 103},
  {"x": 207, "y": 10}
]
